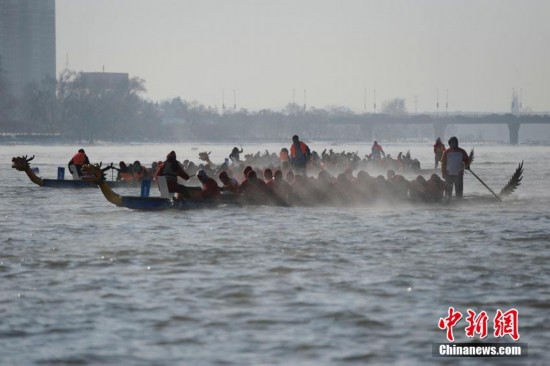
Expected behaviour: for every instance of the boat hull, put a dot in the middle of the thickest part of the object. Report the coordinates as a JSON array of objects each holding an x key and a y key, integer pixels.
[
  {"x": 157, "y": 203},
  {"x": 146, "y": 203}
]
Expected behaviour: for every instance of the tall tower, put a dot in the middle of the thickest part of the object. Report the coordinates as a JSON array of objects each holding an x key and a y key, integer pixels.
[
  {"x": 515, "y": 109},
  {"x": 27, "y": 41}
]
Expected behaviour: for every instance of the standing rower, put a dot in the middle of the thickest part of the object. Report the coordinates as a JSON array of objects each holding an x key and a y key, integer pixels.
[
  {"x": 299, "y": 155},
  {"x": 377, "y": 151},
  {"x": 453, "y": 163},
  {"x": 235, "y": 155}
]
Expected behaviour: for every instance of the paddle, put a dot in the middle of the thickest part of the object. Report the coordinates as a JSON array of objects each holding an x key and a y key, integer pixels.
[
  {"x": 471, "y": 158},
  {"x": 486, "y": 186}
]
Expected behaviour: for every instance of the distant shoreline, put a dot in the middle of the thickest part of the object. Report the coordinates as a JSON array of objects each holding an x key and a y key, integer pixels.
[{"x": 43, "y": 139}]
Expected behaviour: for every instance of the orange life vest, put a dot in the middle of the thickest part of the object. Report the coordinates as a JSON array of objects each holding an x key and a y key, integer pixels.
[
  {"x": 79, "y": 159},
  {"x": 303, "y": 147}
]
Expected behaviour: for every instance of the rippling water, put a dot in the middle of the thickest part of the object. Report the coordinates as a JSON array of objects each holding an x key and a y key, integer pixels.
[{"x": 85, "y": 282}]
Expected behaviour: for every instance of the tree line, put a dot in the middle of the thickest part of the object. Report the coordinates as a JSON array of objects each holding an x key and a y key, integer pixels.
[{"x": 72, "y": 109}]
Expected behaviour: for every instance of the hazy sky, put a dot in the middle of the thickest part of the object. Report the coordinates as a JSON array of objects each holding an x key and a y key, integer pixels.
[{"x": 270, "y": 51}]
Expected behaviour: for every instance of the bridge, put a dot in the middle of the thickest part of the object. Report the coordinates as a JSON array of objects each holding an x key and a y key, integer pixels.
[{"x": 440, "y": 123}]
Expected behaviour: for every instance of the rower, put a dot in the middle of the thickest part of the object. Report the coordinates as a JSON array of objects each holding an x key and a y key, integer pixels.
[
  {"x": 210, "y": 188},
  {"x": 76, "y": 163},
  {"x": 229, "y": 184},
  {"x": 439, "y": 149},
  {"x": 377, "y": 151},
  {"x": 235, "y": 155},
  {"x": 171, "y": 169},
  {"x": 255, "y": 189},
  {"x": 124, "y": 172},
  {"x": 299, "y": 155},
  {"x": 453, "y": 163}
]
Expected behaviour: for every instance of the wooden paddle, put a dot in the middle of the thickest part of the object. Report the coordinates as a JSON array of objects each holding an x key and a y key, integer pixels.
[
  {"x": 471, "y": 158},
  {"x": 486, "y": 186}
]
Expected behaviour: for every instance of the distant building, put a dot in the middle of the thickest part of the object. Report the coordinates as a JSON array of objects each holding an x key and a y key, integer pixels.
[{"x": 27, "y": 41}]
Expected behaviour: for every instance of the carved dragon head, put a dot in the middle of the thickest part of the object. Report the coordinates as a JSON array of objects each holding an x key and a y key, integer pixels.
[
  {"x": 21, "y": 163},
  {"x": 205, "y": 156},
  {"x": 93, "y": 173}
]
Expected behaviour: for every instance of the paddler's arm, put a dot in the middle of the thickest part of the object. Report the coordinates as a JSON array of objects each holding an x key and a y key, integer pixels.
[{"x": 183, "y": 174}]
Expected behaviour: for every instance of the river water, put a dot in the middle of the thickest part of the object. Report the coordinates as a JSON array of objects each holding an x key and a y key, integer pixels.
[{"x": 85, "y": 282}]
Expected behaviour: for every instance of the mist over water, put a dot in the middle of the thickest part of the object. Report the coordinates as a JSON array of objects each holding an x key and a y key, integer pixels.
[{"x": 83, "y": 281}]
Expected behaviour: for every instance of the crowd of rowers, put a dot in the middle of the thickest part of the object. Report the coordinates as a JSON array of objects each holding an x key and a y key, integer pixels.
[
  {"x": 281, "y": 179},
  {"x": 329, "y": 160}
]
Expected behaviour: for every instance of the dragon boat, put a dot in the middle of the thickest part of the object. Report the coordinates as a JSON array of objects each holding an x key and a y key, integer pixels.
[
  {"x": 22, "y": 163},
  {"x": 94, "y": 174}
]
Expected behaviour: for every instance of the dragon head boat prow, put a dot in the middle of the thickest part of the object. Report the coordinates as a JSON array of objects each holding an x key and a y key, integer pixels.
[
  {"x": 205, "y": 156},
  {"x": 93, "y": 173},
  {"x": 21, "y": 163}
]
